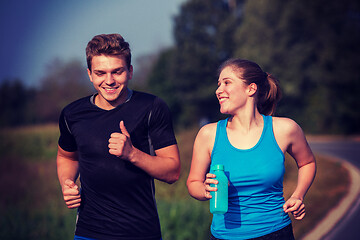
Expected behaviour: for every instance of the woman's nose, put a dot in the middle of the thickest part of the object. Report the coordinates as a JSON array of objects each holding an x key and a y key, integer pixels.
[{"x": 218, "y": 90}]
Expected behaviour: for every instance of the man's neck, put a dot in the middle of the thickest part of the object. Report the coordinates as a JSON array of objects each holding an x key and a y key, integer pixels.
[{"x": 107, "y": 105}]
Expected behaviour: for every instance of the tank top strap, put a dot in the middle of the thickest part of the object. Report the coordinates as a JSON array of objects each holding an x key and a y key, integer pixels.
[
  {"x": 267, "y": 124},
  {"x": 269, "y": 132},
  {"x": 221, "y": 126},
  {"x": 221, "y": 136}
]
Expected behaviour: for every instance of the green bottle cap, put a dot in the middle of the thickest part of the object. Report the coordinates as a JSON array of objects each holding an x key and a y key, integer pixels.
[{"x": 217, "y": 167}]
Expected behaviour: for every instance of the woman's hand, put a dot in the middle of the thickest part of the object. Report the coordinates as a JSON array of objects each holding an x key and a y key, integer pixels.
[
  {"x": 210, "y": 180},
  {"x": 296, "y": 207}
]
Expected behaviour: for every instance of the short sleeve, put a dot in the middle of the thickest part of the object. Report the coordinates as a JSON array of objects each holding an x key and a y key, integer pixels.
[
  {"x": 66, "y": 139},
  {"x": 160, "y": 125}
]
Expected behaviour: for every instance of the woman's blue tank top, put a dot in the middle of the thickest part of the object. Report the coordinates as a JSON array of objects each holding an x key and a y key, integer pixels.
[{"x": 256, "y": 186}]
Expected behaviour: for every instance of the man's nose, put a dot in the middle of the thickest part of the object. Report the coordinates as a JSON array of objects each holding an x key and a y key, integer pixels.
[{"x": 109, "y": 79}]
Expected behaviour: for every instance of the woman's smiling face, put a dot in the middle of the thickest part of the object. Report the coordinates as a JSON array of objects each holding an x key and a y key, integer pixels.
[{"x": 232, "y": 92}]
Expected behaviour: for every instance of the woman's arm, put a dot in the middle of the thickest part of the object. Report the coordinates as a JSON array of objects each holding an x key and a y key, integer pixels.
[
  {"x": 298, "y": 148},
  {"x": 198, "y": 182}
]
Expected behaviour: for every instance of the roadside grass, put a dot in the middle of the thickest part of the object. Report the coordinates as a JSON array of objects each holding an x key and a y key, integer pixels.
[
  {"x": 31, "y": 205},
  {"x": 330, "y": 185}
]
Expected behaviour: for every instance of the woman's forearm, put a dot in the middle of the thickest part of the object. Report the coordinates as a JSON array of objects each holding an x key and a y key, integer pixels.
[{"x": 306, "y": 175}]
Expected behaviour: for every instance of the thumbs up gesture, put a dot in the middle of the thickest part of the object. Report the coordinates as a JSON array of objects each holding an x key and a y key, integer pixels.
[{"x": 120, "y": 143}]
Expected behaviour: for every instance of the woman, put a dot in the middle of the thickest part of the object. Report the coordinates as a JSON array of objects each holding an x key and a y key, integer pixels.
[{"x": 251, "y": 145}]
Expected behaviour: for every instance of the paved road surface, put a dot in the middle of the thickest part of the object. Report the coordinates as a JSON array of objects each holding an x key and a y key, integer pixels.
[{"x": 349, "y": 227}]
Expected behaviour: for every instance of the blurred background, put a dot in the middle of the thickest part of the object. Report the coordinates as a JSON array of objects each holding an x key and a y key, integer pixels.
[{"x": 311, "y": 46}]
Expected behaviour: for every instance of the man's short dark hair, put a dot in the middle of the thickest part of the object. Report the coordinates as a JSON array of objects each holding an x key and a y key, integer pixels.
[{"x": 110, "y": 45}]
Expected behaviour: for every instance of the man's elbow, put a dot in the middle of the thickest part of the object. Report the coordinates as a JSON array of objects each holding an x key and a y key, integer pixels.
[{"x": 172, "y": 178}]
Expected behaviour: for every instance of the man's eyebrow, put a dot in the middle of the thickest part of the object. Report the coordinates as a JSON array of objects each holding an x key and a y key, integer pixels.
[
  {"x": 118, "y": 69},
  {"x": 113, "y": 70}
]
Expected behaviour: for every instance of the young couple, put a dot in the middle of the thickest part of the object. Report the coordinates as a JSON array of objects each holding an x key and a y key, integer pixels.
[{"x": 119, "y": 140}]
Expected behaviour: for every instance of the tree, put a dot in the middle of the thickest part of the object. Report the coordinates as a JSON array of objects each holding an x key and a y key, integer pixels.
[
  {"x": 144, "y": 65},
  {"x": 204, "y": 38},
  {"x": 161, "y": 84},
  {"x": 312, "y": 47},
  {"x": 64, "y": 83},
  {"x": 15, "y": 105}
]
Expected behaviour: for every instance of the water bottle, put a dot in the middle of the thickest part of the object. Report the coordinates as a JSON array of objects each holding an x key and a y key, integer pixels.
[{"x": 219, "y": 200}]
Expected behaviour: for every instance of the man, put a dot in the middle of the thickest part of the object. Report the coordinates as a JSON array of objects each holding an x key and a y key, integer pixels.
[{"x": 118, "y": 141}]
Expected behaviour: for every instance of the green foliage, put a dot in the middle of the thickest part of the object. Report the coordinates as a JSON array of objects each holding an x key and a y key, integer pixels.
[
  {"x": 36, "y": 224},
  {"x": 312, "y": 47},
  {"x": 203, "y": 34},
  {"x": 184, "y": 220},
  {"x": 15, "y": 103},
  {"x": 160, "y": 82},
  {"x": 32, "y": 206},
  {"x": 35, "y": 143},
  {"x": 62, "y": 84}
]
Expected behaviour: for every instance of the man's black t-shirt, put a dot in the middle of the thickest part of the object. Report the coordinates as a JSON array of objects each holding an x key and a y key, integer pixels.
[{"x": 117, "y": 198}]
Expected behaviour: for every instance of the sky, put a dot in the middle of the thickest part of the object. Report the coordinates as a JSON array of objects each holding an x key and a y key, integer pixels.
[{"x": 36, "y": 32}]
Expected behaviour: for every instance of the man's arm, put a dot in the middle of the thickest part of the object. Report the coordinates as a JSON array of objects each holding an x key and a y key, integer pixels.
[
  {"x": 165, "y": 166},
  {"x": 68, "y": 172}
]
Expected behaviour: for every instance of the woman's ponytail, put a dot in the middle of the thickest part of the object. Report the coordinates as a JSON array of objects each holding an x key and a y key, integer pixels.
[{"x": 269, "y": 95}]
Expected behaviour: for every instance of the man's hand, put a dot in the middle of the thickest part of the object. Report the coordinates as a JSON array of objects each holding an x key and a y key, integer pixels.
[
  {"x": 120, "y": 144},
  {"x": 71, "y": 194}
]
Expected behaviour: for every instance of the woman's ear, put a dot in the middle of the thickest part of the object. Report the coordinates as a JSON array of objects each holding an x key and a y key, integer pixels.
[{"x": 252, "y": 89}]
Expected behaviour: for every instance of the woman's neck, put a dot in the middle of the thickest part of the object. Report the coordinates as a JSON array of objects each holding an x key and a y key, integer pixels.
[{"x": 246, "y": 120}]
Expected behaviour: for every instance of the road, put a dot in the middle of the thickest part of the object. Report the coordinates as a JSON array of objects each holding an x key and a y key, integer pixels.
[{"x": 348, "y": 227}]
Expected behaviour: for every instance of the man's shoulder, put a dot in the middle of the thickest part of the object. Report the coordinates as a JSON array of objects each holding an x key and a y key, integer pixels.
[
  {"x": 143, "y": 96},
  {"x": 147, "y": 99},
  {"x": 78, "y": 104}
]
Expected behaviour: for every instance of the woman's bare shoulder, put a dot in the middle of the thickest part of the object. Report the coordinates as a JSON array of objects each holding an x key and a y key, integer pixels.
[
  {"x": 205, "y": 139},
  {"x": 208, "y": 130},
  {"x": 285, "y": 126}
]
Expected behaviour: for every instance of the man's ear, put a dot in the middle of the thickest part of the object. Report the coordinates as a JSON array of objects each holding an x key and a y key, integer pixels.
[
  {"x": 131, "y": 71},
  {"x": 252, "y": 89},
  {"x": 89, "y": 74}
]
